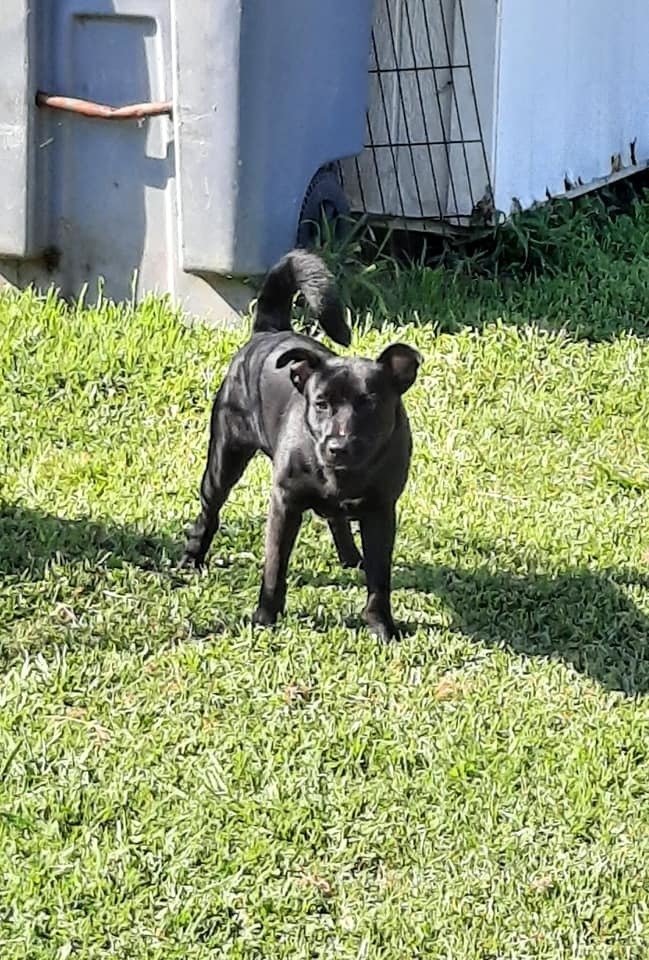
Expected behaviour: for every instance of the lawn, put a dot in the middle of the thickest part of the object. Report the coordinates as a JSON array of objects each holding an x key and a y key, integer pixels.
[{"x": 177, "y": 785}]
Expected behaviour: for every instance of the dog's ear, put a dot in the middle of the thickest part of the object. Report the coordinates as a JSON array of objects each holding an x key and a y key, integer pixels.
[
  {"x": 402, "y": 363},
  {"x": 303, "y": 363}
]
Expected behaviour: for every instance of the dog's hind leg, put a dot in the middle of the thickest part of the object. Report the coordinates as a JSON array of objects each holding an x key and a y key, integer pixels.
[
  {"x": 348, "y": 553},
  {"x": 227, "y": 458}
]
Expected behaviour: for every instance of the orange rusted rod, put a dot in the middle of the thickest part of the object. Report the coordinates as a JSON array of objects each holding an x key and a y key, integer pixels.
[{"x": 132, "y": 111}]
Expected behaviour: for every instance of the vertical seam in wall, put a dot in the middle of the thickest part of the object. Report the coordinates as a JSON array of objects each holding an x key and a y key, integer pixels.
[
  {"x": 176, "y": 258},
  {"x": 495, "y": 138}
]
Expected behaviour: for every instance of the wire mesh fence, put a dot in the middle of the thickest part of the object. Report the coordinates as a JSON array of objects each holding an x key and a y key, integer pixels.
[{"x": 424, "y": 157}]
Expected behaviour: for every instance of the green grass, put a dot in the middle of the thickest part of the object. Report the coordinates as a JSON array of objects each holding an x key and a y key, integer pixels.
[
  {"x": 579, "y": 268},
  {"x": 175, "y": 785}
]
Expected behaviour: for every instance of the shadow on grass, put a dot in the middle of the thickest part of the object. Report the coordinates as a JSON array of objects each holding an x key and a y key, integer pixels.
[
  {"x": 30, "y": 540},
  {"x": 539, "y": 267},
  {"x": 584, "y": 617}
]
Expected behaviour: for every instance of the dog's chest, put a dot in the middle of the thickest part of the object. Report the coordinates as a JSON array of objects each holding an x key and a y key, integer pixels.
[
  {"x": 333, "y": 500},
  {"x": 330, "y": 508},
  {"x": 329, "y": 495}
]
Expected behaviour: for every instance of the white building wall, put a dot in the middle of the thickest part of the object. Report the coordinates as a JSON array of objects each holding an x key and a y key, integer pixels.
[{"x": 572, "y": 92}]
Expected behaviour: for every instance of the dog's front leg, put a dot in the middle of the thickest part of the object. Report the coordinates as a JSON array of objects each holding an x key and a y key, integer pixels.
[
  {"x": 377, "y": 533},
  {"x": 281, "y": 530}
]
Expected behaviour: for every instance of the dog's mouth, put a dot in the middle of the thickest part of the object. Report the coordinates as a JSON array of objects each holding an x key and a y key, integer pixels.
[{"x": 342, "y": 464}]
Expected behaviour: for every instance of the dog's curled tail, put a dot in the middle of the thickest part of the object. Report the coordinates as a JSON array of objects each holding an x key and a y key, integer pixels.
[{"x": 305, "y": 272}]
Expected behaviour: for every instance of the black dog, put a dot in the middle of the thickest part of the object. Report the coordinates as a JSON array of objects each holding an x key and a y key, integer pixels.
[{"x": 335, "y": 429}]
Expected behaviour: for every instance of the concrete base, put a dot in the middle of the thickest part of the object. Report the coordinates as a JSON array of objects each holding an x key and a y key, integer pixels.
[{"x": 211, "y": 299}]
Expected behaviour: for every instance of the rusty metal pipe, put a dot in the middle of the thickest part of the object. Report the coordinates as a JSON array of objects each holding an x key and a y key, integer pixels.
[{"x": 101, "y": 111}]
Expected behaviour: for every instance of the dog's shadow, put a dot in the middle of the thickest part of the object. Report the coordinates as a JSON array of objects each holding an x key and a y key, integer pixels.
[{"x": 589, "y": 619}]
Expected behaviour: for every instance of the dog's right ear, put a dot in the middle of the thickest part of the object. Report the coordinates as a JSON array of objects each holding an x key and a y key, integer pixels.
[{"x": 303, "y": 363}]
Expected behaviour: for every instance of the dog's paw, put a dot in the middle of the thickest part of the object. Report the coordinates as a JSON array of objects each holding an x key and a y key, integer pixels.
[
  {"x": 383, "y": 630},
  {"x": 263, "y": 617},
  {"x": 353, "y": 561},
  {"x": 190, "y": 562}
]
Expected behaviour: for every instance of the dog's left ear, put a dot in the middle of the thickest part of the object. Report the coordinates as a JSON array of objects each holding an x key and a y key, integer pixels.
[
  {"x": 402, "y": 362},
  {"x": 303, "y": 363}
]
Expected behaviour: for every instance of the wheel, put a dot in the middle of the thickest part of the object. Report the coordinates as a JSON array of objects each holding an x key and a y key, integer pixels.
[{"x": 325, "y": 201}]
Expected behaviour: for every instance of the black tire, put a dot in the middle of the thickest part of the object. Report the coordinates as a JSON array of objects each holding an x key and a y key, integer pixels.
[{"x": 325, "y": 200}]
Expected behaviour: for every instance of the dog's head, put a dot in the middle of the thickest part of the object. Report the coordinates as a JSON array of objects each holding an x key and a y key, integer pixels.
[{"x": 351, "y": 403}]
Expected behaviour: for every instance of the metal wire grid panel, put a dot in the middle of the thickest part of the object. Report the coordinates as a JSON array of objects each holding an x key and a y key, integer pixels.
[{"x": 425, "y": 156}]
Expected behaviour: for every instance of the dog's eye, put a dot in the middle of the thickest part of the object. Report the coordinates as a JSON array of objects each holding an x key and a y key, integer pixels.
[{"x": 322, "y": 404}]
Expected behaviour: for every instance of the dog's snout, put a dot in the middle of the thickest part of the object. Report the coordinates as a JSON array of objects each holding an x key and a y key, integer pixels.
[{"x": 338, "y": 448}]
